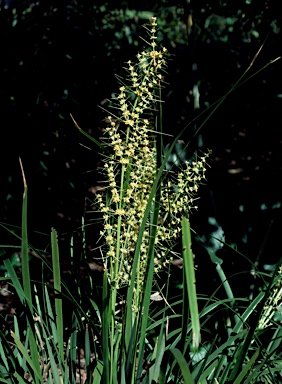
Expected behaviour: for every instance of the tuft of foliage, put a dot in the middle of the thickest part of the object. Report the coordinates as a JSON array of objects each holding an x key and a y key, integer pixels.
[{"x": 124, "y": 327}]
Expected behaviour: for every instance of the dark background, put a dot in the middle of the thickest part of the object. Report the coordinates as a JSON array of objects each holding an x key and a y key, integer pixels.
[{"x": 60, "y": 58}]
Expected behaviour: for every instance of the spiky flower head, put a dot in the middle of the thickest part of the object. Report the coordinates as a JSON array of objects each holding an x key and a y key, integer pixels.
[{"x": 131, "y": 167}]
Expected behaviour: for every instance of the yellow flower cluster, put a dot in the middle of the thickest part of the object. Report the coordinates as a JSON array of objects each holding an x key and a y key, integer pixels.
[
  {"x": 273, "y": 305},
  {"x": 131, "y": 168},
  {"x": 178, "y": 199}
]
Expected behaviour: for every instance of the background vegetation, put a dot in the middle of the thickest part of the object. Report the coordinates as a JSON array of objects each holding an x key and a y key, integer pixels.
[{"x": 61, "y": 59}]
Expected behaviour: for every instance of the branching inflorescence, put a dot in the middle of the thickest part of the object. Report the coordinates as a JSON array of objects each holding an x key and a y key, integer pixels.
[{"x": 131, "y": 168}]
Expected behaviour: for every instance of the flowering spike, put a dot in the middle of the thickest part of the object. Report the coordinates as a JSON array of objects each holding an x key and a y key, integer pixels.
[{"x": 131, "y": 171}]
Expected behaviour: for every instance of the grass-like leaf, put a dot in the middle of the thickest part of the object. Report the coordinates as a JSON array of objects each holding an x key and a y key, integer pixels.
[
  {"x": 91, "y": 138},
  {"x": 57, "y": 288},
  {"x": 158, "y": 356},
  {"x": 24, "y": 250},
  {"x": 27, "y": 285},
  {"x": 190, "y": 279},
  {"x": 35, "y": 369},
  {"x": 186, "y": 373},
  {"x": 247, "y": 367},
  {"x": 105, "y": 330}
]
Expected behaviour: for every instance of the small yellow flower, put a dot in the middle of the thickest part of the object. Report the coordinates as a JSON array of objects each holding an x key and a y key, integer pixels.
[
  {"x": 120, "y": 212},
  {"x": 129, "y": 122},
  {"x": 124, "y": 161},
  {"x": 154, "y": 21},
  {"x": 116, "y": 199},
  {"x": 111, "y": 253},
  {"x": 138, "y": 92}
]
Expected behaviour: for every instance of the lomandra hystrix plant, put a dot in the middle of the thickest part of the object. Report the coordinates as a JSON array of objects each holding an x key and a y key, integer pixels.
[
  {"x": 127, "y": 337},
  {"x": 141, "y": 217},
  {"x": 144, "y": 209}
]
